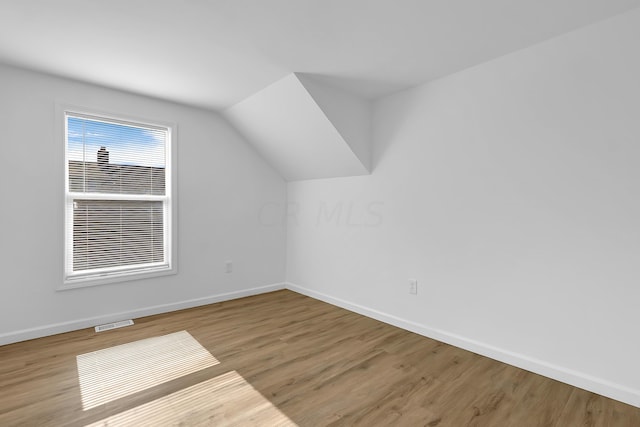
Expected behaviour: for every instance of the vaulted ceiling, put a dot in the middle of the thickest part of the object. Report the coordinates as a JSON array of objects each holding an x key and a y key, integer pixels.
[
  {"x": 215, "y": 53},
  {"x": 294, "y": 77}
]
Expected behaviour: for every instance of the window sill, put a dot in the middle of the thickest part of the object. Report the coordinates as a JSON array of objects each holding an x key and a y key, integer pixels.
[{"x": 89, "y": 281}]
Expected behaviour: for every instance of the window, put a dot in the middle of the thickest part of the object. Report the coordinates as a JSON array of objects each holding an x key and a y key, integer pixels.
[{"x": 118, "y": 207}]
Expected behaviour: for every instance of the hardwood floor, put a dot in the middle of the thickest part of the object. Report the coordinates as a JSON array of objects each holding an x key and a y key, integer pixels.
[{"x": 283, "y": 359}]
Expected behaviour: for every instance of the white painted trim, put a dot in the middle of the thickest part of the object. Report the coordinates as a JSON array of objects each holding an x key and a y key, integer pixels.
[
  {"x": 559, "y": 373},
  {"x": 74, "y": 325},
  {"x": 170, "y": 199}
]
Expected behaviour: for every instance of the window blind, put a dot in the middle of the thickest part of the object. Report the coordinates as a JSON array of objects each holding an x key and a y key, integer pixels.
[{"x": 117, "y": 198}]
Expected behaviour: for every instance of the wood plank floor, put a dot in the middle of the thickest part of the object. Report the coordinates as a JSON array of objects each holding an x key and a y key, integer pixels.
[{"x": 285, "y": 359}]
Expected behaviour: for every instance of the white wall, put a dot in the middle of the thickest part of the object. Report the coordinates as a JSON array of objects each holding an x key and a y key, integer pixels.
[
  {"x": 289, "y": 127},
  {"x": 223, "y": 189},
  {"x": 348, "y": 113},
  {"x": 511, "y": 192}
]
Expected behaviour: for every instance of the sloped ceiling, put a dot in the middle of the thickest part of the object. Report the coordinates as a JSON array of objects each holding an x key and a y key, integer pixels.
[
  {"x": 306, "y": 129},
  {"x": 215, "y": 53},
  {"x": 225, "y": 55}
]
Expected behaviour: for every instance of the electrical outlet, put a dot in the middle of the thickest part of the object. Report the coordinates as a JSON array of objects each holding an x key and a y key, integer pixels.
[
  {"x": 413, "y": 286},
  {"x": 228, "y": 266}
]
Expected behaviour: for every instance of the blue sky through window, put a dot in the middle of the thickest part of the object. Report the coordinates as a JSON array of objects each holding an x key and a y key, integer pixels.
[{"x": 127, "y": 145}]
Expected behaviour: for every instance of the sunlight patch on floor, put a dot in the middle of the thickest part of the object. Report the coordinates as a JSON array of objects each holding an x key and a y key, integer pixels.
[
  {"x": 115, "y": 372},
  {"x": 226, "y": 400}
]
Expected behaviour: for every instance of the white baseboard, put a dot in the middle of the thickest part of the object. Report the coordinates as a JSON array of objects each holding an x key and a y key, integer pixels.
[
  {"x": 74, "y": 325},
  {"x": 559, "y": 373}
]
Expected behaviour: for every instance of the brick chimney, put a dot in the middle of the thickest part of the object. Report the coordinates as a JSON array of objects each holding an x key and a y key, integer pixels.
[{"x": 103, "y": 156}]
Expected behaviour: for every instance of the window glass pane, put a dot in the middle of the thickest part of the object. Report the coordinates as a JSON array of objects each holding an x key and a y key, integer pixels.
[
  {"x": 116, "y": 216},
  {"x": 110, "y": 233},
  {"x": 107, "y": 157}
]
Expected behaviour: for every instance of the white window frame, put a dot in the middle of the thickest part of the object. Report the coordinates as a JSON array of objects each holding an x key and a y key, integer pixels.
[{"x": 96, "y": 277}]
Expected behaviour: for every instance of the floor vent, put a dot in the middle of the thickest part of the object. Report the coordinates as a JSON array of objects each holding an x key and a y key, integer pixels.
[{"x": 109, "y": 326}]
